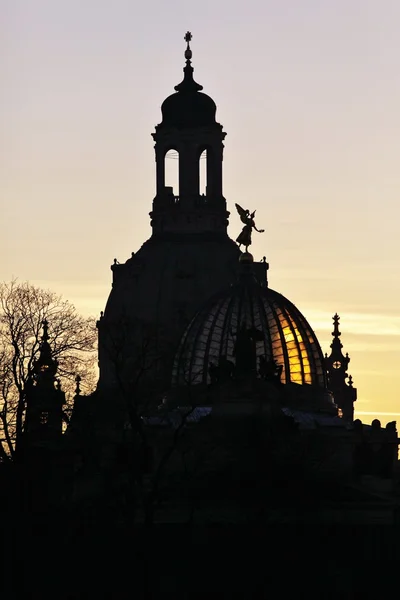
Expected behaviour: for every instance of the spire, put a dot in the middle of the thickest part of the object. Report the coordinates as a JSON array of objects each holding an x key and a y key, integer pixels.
[
  {"x": 336, "y": 319},
  {"x": 188, "y": 84},
  {"x": 337, "y": 359},
  {"x": 336, "y": 343},
  {"x": 45, "y": 336},
  {"x": 45, "y": 366}
]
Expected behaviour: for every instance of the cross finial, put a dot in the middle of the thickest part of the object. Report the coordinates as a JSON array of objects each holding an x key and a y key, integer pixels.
[{"x": 188, "y": 36}]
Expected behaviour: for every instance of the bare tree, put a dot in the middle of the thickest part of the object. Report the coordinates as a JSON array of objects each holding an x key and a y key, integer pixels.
[{"x": 23, "y": 308}]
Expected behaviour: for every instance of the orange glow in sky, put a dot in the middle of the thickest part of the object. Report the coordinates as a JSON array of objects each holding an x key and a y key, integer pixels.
[{"x": 308, "y": 93}]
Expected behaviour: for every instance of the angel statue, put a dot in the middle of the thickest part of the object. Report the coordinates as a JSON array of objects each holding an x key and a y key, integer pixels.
[{"x": 248, "y": 220}]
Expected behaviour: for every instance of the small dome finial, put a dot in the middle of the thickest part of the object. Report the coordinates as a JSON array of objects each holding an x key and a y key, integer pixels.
[{"x": 188, "y": 51}]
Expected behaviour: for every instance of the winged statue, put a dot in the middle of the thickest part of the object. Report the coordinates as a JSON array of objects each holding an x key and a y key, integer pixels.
[{"x": 247, "y": 218}]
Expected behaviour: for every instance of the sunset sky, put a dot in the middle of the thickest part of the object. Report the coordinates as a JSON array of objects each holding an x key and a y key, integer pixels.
[{"x": 309, "y": 95}]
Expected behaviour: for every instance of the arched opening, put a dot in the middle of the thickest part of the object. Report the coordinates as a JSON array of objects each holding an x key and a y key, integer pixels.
[
  {"x": 203, "y": 173},
  {"x": 171, "y": 166}
]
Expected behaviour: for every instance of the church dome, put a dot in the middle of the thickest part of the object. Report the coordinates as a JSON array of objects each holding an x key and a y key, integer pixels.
[
  {"x": 187, "y": 109},
  {"x": 279, "y": 335}
]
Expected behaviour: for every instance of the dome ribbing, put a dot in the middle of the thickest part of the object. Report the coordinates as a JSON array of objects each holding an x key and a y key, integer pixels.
[{"x": 275, "y": 331}]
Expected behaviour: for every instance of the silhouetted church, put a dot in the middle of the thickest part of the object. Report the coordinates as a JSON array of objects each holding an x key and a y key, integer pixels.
[
  {"x": 189, "y": 299},
  {"x": 196, "y": 350}
]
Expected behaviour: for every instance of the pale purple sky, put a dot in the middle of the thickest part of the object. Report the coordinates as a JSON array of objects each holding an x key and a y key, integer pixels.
[{"x": 309, "y": 95}]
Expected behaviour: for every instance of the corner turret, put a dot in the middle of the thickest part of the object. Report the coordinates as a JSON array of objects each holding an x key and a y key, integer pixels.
[{"x": 336, "y": 365}]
